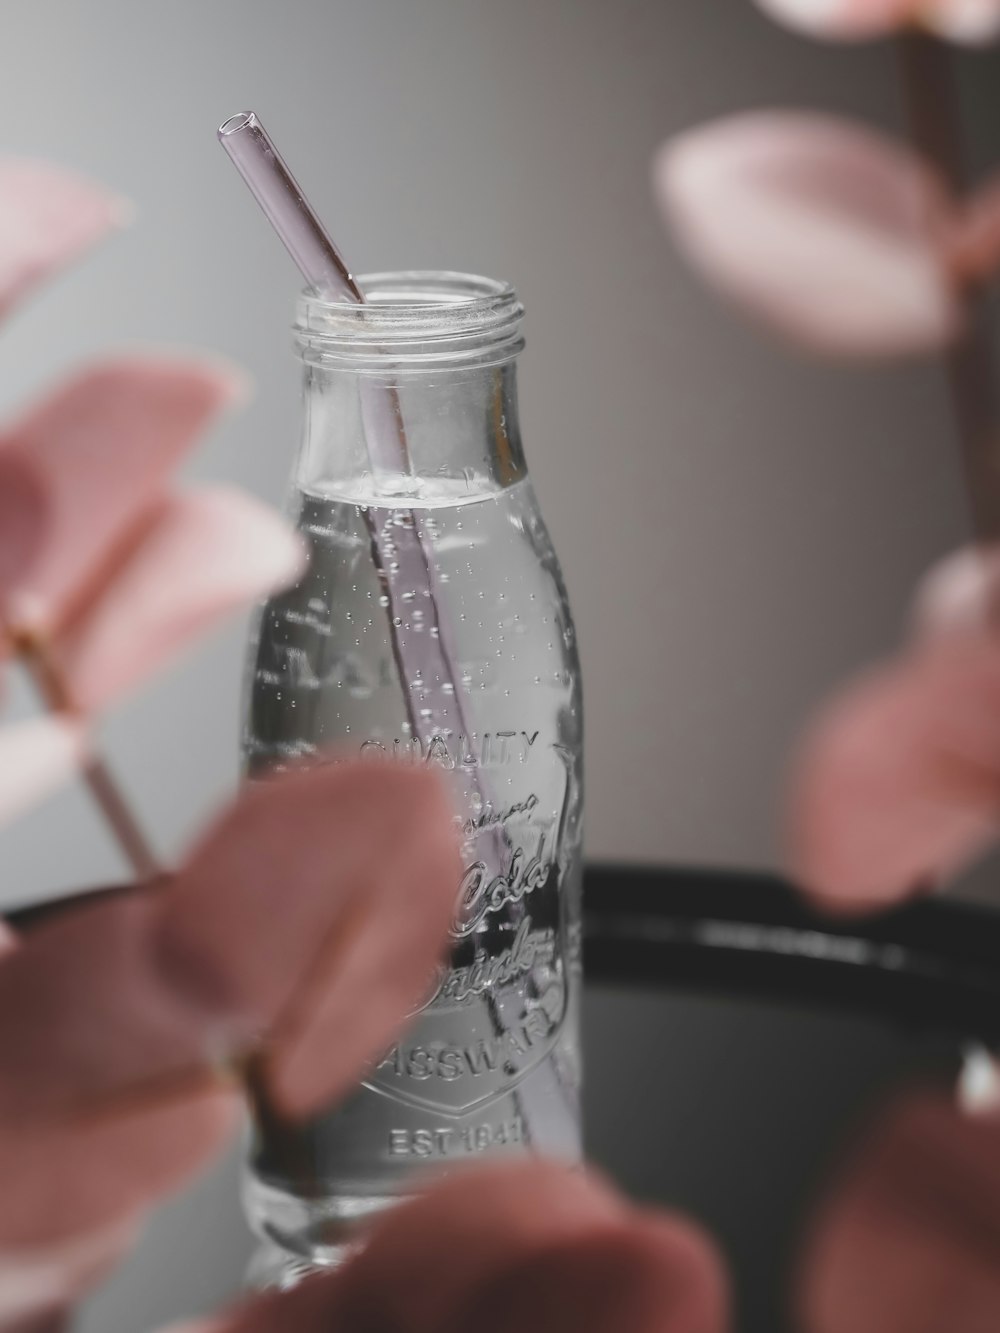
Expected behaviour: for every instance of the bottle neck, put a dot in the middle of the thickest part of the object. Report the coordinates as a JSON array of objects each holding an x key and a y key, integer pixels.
[
  {"x": 433, "y": 437},
  {"x": 412, "y": 394}
]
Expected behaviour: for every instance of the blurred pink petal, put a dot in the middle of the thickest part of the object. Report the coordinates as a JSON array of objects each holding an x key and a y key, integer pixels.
[
  {"x": 974, "y": 22},
  {"x": 85, "y": 1011},
  {"x": 652, "y": 1276},
  {"x": 79, "y": 1148},
  {"x": 442, "y": 1248},
  {"x": 324, "y": 896},
  {"x": 898, "y": 783},
  {"x": 370, "y": 853},
  {"x": 974, "y": 244},
  {"x": 62, "y": 1181},
  {"x": 48, "y": 217},
  {"x": 527, "y": 1246},
  {"x": 848, "y": 20},
  {"x": 829, "y": 232},
  {"x": 153, "y": 985},
  {"x": 910, "y": 1239},
  {"x": 65, "y": 1178},
  {"x": 36, "y": 758},
  {"x": 101, "y": 449},
  {"x": 199, "y": 1326},
  {"x": 203, "y": 555},
  {"x": 427, "y": 1258},
  {"x": 960, "y": 595},
  {"x": 33, "y": 1280}
]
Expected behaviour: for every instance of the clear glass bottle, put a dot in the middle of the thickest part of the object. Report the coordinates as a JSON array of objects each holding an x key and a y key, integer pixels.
[{"x": 431, "y": 565}]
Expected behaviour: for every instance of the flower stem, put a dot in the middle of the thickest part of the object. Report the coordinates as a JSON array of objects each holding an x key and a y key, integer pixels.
[
  {"x": 103, "y": 786},
  {"x": 121, "y": 820},
  {"x": 930, "y": 102},
  {"x": 49, "y": 1321}
]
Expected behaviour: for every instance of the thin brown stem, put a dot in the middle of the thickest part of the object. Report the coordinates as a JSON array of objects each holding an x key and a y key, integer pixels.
[
  {"x": 930, "y": 100},
  {"x": 104, "y": 788},
  {"x": 128, "y": 833},
  {"x": 48, "y": 1321}
]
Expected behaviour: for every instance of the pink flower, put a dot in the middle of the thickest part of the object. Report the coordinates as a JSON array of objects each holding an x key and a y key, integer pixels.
[
  {"x": 897, "y": 785},
  {"x": 106, "y": 570},
  {"x": 831, "y": 233},
  {"x": 835, "y": 236}
]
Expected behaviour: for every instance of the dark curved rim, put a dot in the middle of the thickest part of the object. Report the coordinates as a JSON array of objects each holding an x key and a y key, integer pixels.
[{"x": 933, "y": 965}]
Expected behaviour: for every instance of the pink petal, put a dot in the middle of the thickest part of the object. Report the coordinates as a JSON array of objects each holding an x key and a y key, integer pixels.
[
  {"x": 37, "y": 1280},
  {"x": 846, "y": 20},
  {"x": 203, "y": 556},
  {"x": 101, "y": 449},
  {"x": 484, "y": 1219},
  {"x": 428, "y": 1257},
  {"x": 324, "y": 897},
  {"x": 973, "y": 22},
  {"x": 85, "y": 1012},
  {"x": 199, "y": 1326},
  {"x": 970, "y": 21},
  {"x": 832, "y": 234},
  {"x": 960, "y": 596},
  {"x": 974, "y": 244},
  {"x": 898, "y": 783},
  {"x": 36, "y": 758},
  {"x": 506, "y": 1247},
  {"x": 369, "y": 853},
  {"x": 909, "y": 1239},
  {"x": 48, "y": 217},
  {"x": 8, "y": 940},
  {"x": 652, "y": 1276},
  {"x": 61, "y": 1181},
  {"x": 82, "y": 1145},
  {"x": 531, "y": 1246}
]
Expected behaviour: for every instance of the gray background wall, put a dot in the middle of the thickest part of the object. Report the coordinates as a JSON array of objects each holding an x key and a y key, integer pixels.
[{"x": 739, "y": 527}]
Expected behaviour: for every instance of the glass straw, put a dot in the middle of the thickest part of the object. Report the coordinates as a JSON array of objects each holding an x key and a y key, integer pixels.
[
  {"x": 252, "y": 152},
  {"x": 287, "y": 209}
]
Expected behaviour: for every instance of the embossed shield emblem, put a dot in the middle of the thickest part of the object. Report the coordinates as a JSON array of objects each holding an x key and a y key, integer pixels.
[{"x": 501, "y": 1004}]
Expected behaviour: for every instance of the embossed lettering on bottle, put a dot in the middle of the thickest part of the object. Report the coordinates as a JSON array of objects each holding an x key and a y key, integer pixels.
[{"x": 498, "y": 1008}]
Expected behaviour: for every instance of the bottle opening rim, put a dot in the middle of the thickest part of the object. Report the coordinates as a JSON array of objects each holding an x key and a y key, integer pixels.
[{"x": 423, "y": 314}]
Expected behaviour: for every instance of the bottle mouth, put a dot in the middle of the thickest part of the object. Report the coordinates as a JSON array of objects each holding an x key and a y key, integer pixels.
[{"x": 420, "y": 317}]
